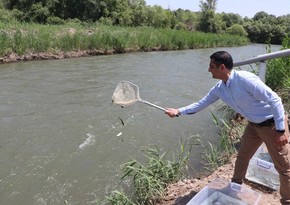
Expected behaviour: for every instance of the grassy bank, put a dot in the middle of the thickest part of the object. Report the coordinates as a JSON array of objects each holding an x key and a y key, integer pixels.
[
  {"x": 26, "y": 39},
  {"x": 150, "y": 179}
]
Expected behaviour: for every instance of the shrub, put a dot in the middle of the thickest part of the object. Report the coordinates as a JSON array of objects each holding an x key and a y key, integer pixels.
[
  {"x": 19, "y": 15},
  {"x": 55, "y": 20},
  {"x": 106, "y": 21},
  {"x": 39, "y": 13},
  {"x": 5, "y": 16},
  {"x": 237, "y": 29},
  {"x": 180, "y": 26}
]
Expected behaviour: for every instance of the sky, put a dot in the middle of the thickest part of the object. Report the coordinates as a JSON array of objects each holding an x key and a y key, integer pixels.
[{"x": 242, "y": 7}]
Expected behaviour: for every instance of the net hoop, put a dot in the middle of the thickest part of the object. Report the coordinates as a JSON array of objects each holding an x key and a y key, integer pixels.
[{"x": 126, "y": 94}]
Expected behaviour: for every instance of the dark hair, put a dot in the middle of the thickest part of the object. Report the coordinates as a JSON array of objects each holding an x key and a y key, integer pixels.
[{"x": 223, "y": 57}]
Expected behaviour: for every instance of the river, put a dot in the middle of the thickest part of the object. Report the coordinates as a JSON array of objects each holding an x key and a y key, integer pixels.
[{"x": 62, "y": 139}]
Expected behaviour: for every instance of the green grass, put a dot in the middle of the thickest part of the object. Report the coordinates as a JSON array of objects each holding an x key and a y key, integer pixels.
[
  {"x": 26, "y": 38},
  {"x": 230, "y": 134},
  {"x": 149, "y": 179}
]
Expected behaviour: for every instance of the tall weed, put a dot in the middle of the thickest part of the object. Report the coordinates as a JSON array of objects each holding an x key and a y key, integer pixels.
[
  {"x": 230, "y": 134},
  {"x": 278, "y": 70},
  {"x": 151, "y": 178}
]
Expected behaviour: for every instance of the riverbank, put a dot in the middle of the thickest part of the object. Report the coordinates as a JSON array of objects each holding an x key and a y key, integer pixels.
[
  {"x": 23, "y": 42},
  {"x": 13, "y": 57},
  {"x": 181, "y": 192}
]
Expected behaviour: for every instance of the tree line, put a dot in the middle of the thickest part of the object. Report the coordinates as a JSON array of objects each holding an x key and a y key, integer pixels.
[{"x": 262, "y": 28}]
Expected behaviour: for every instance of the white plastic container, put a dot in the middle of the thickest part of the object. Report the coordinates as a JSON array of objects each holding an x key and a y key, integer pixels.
[
  {"x": 261, "y": 169},
  {"x": 220, "y": 192}
]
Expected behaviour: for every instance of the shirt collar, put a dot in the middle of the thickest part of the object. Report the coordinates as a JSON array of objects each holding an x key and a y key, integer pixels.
[{"x": 230, "y": 79}]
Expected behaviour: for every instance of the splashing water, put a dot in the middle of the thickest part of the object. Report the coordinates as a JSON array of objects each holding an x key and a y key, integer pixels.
[{"x": 88, "y": 142}]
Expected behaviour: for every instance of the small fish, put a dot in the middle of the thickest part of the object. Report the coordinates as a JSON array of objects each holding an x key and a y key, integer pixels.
[
  {"x": 122, "y": 121},
  {"x": 119, "y": 134}
]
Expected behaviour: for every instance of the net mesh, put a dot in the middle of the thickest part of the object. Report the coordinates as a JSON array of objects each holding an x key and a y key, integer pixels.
[{"x": 126, "y": 94}]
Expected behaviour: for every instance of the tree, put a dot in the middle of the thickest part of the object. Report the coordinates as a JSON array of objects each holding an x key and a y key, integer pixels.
[
  {"x": 139, "y": 15},
  {"x": 265, "y": 28},
  {"x": 253, "y": 31},
  {"x": 208, "y": 5},
  {"x": 265, "y": 18},
  {"x": 39, "y": 13},
  {"x": 186, "y": 18},
  {"x": 278, "y": 34},
  {"x": 133, "y": 3},
  {"x": 158, "y": 17},
  {"x": 231, "y": 19},
  {"x": 207, "y": 23}
]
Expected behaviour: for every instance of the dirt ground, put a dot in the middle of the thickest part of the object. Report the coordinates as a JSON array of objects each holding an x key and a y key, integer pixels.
[{"x": 181, "y": 192}]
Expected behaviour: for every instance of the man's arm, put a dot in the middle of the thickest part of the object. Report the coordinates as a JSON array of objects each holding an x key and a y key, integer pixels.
[{"x": 210, "y": 98}]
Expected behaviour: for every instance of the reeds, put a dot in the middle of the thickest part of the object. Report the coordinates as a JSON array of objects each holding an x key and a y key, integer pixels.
[
  {"x": 34, "y": 38},
  {"x": 150, "y": 179},
  {"x": 230, "y": 133},
  {"x": 278, "y": 70}
]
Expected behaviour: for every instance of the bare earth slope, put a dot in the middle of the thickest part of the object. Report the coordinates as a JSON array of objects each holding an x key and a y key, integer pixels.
[{"x": 181, "y": 192}]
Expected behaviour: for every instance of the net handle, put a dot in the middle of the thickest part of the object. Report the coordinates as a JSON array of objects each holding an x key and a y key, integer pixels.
[{"x": 151, "y": 104}]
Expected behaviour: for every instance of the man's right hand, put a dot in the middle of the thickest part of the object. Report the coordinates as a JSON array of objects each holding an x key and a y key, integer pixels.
[
  {"x": 281, "y": 140},
  {"x": 172, "y": 112}
]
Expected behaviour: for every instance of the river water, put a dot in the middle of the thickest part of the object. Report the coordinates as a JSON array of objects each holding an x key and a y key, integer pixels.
[{"x": 62, "y": 140}]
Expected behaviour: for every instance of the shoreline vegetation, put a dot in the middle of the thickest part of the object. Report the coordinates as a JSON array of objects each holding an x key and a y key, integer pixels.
[{"x": 25, "y": 42}]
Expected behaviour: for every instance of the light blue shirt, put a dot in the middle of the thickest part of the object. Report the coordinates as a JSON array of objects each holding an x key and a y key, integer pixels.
[{"x": 246, "y": 94}]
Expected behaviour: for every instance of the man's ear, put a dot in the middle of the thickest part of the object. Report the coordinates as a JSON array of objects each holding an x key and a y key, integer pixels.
[{"x": 222, "y": 66}]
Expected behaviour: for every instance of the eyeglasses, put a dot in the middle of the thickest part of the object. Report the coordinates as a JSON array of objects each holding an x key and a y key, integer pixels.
[{"x": 214, "y": 66}]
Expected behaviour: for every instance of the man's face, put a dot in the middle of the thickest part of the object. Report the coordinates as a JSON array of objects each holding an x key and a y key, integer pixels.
[{"x": 214, "y": 69}]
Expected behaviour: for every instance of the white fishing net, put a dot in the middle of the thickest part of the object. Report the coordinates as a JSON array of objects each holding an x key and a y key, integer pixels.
[{"x": 126, "y": 94}]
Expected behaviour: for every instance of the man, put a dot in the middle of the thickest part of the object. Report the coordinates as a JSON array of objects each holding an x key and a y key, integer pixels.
[{"x": 248, "y": 95}]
